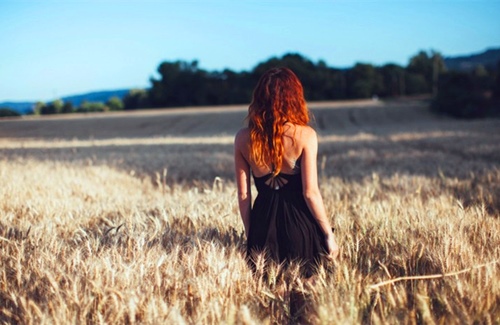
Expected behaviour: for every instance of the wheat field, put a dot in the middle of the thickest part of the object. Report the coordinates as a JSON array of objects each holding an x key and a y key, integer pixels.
[{"x": 133, "y": 219}]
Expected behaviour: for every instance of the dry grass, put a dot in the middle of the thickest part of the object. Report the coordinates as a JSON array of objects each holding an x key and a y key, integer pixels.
[{"x": 146, "y": 230}]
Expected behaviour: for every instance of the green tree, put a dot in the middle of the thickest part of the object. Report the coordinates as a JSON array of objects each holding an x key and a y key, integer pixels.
[
  {"x": 183, "y": 83},
  {"x": 7, "y": 112},
  {"x": 180, "y": 84},
  {"x": 115, "y": 104},
  {"x": 38, "y": 108},
  {"x": 363, "y": 81},
  {"x": 393, "y": 80},
  {"x": 67, "y": 108},
  {"x": 54, "y": 107},
  {"x": 415, "y": 84},
  {"x": 233, "y": 87},
  {"x": 429, "y": 66},
  {"x": 480, "y": 71},
  {"x": 136, "y": 98},
  {"x": 304, "y": 68},
  {"x": 87, "y": 107},
  {"x": 496, "y": 87},
  {"x": 460, "y": 95}
]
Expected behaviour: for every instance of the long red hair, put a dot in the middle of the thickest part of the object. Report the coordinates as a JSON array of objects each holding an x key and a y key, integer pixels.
[{"x": 277, "y": 99}]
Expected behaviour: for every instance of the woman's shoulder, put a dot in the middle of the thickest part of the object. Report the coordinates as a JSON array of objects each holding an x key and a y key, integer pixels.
[
  {"x": 305, "y": 133},
  {"x": 242, "y": 136}
]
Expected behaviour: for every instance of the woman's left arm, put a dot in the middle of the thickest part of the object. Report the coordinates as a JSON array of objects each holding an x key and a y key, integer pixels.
[
  {"x": 242, "y": 174},
  {"x": 311, "y": 190}
]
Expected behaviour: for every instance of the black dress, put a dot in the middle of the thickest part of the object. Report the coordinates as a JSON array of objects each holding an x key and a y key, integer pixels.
[{"x": 281, "y": 224}]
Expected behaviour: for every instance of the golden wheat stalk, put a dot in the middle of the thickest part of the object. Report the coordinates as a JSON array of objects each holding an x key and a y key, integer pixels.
[{"x": 429, "y": 277}]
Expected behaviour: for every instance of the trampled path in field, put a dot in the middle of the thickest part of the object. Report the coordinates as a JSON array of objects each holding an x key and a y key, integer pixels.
[{"x": 357, "y": 139}]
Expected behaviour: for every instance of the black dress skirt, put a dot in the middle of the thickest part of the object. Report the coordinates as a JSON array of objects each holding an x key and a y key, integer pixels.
[{"x": 282, "y": 226}]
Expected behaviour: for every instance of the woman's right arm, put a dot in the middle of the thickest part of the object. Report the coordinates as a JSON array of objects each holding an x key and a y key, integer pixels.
[
  {"x": 311, "y": 192},
  {"x": 242, "y": 174}
]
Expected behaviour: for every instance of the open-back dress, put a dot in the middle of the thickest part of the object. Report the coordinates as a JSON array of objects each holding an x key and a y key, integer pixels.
[{"x": 281, "y": 224}]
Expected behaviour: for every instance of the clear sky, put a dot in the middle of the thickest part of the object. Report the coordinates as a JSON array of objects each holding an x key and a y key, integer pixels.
[{"x": 51, "y": 49}]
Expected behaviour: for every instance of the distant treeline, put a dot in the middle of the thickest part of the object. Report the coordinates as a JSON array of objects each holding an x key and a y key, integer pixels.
[{"x": 474, "y": 93}]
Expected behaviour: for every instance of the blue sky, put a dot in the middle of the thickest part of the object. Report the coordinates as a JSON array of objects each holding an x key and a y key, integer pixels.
[{"x": 51, "y": 49}]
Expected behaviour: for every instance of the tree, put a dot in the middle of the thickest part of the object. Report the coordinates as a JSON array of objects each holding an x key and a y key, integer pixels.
[
  {"x": 38, "y": 108},
  {"x": 304, "y": 68},
  {"x": 415, "y": 84},
  {"x": 234, "y": 87},
  {"x": 87, "y": 107},
  {"x": 115, "y": 104},
  {"x": 136, "y": 98},
  {"x": 181, "y": 84},
  {"x": 7, "y": 112},
  {"x": 67, "y": 108},
  {"x": 460, "y": 96},
  {"x": 363, "y": 81},
  {"x": 393, "y": 80},
  {"x": 496, "y": 87},
  {"x": 426, "y": 67},
  {"x": 54, "y": 107}
]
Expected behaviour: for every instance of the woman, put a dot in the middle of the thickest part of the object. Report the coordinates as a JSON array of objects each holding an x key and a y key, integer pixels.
[{"x": 288, "y": 219}]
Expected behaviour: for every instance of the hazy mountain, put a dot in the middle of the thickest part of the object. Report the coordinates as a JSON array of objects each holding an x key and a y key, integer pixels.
[
  {"x": 21, "y": 107},
  {"x": 98, "y": 96},
  {"x": 76, "y": 100},
  {"x": 488, "y": 58}
]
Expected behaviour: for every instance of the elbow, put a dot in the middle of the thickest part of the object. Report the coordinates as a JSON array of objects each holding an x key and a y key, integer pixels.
[
  {"x": 243, "y": 196},
  {"x": 311, "y": 195}
]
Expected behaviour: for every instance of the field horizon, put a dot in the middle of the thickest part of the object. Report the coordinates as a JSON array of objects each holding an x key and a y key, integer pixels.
[{"x": 132, "y": 218}]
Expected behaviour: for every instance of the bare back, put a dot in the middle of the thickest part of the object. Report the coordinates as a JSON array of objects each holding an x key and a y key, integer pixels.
[{"x": 295, "y": 138}]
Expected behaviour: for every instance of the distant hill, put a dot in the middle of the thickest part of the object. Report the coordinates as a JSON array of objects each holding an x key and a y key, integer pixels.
[
  {"x": 488, "y": 58},
  {"x": 20, "y": 107},
  {"x": 97, "y": 96},
  {"x": 76, "y": 100}
]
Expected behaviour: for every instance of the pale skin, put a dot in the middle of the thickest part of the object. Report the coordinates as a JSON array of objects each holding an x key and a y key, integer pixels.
[{"x": 300, "y": 142}]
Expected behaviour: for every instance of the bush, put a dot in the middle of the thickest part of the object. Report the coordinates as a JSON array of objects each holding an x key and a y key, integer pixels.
[
  {"x": 54, "y": 107},
  {"x": 459, "y": 96},
  {"x": 416, "y": 84},
  {"x": 67, "y": 108},
  {"x": 87, "y": 107},
  {"x": 136, "y": 98},
  {"x": 115, "y": 104},
  {"x": 7, "y": 112}
]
